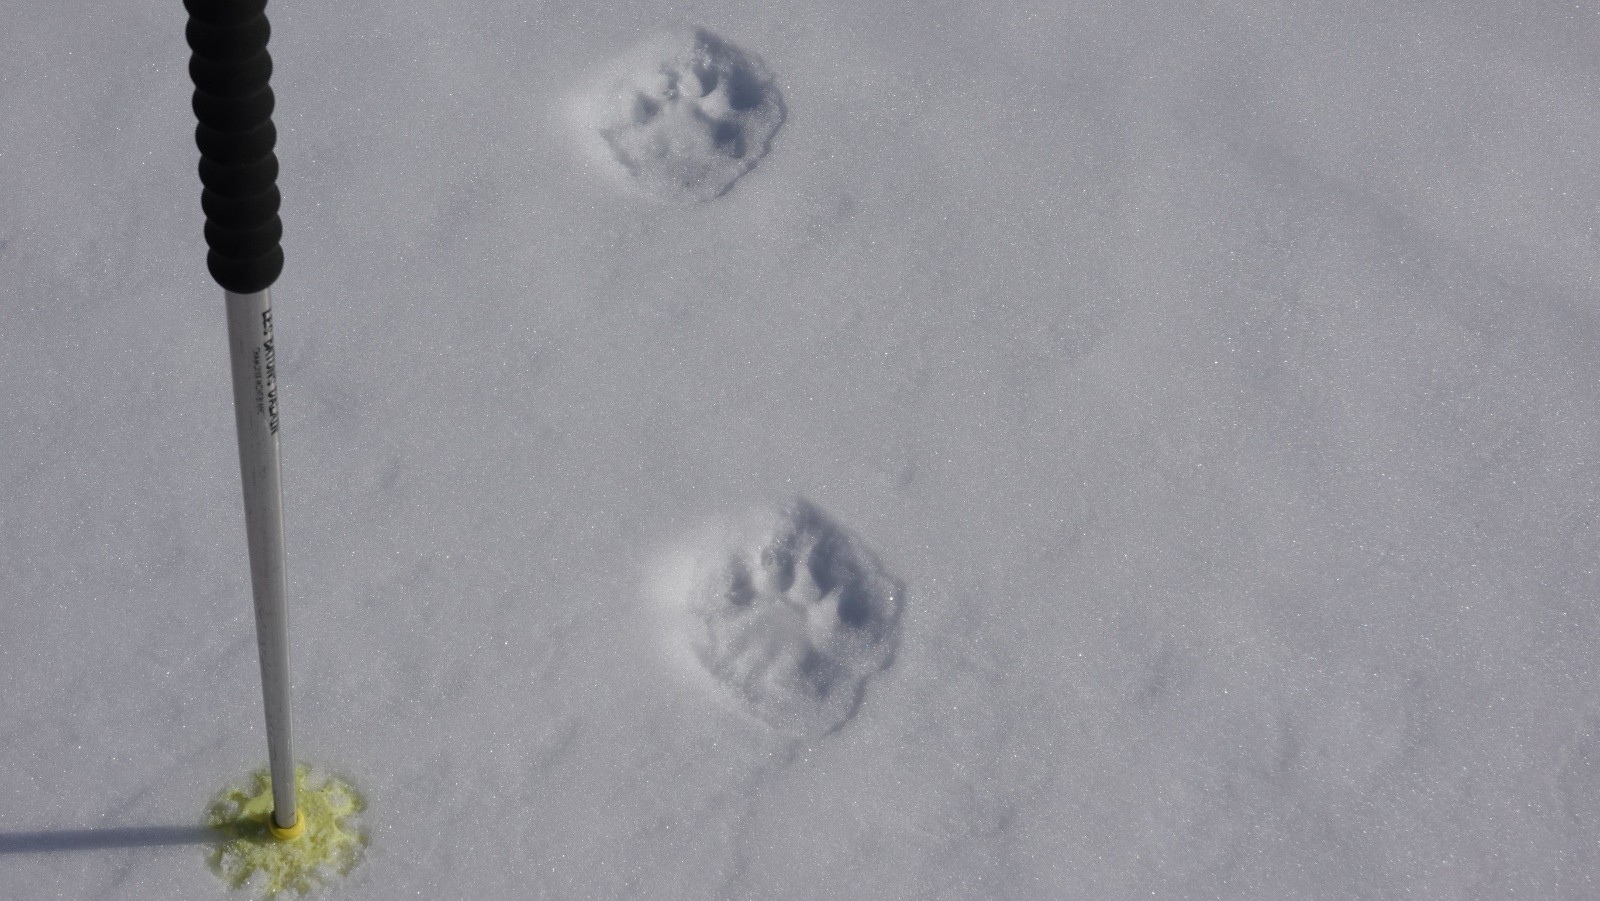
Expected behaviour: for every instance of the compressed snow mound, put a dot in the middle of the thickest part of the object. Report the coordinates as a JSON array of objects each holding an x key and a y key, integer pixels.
[
  {"x": 681, "y": 116},
  {"x": 792, "y": 615}
]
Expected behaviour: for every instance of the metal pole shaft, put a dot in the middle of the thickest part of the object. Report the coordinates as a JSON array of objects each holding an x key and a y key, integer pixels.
[{"x": 255, "y": 407}]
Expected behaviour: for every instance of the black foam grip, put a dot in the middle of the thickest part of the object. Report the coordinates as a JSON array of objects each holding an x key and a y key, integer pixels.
[
  {"x": 214, "y": 12},
  {"x": 233, "y": 103}
]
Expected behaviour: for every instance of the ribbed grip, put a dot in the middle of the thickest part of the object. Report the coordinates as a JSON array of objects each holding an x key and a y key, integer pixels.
[{"x": 230, "y": 68}]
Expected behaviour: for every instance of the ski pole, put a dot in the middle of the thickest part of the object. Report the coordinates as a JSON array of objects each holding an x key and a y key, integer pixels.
[{"x": 238, "y": 170}]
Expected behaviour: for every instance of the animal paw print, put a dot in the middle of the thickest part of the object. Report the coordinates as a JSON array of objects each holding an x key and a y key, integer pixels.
[
  {"x": 795, "y": 621},
  {"x": 683, "y": 115}
]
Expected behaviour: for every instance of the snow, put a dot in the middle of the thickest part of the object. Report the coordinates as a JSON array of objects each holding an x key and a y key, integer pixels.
[{"x": 1218, "y": 381}]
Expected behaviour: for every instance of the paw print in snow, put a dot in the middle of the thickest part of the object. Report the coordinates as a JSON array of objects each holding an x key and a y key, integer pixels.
[
  {"x": 794, "y": 619},
  {"x": 682, "y": 116}
]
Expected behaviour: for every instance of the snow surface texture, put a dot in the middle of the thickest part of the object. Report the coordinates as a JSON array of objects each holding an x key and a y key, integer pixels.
[
  {"x": 1218, "y": 377},
  {"x": 682, "y": 115},
  {"x": 793, "y": 616}
]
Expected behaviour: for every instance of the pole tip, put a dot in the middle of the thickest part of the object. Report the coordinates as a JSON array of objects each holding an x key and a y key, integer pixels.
[{"x": 286, "y": 833}]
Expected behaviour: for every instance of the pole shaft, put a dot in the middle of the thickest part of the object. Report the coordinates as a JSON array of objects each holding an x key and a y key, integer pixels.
[{"x": 255, "y": 406}]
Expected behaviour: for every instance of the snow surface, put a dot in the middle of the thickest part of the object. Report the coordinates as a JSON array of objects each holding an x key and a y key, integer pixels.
[{"x": 1219, "y": 380}]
